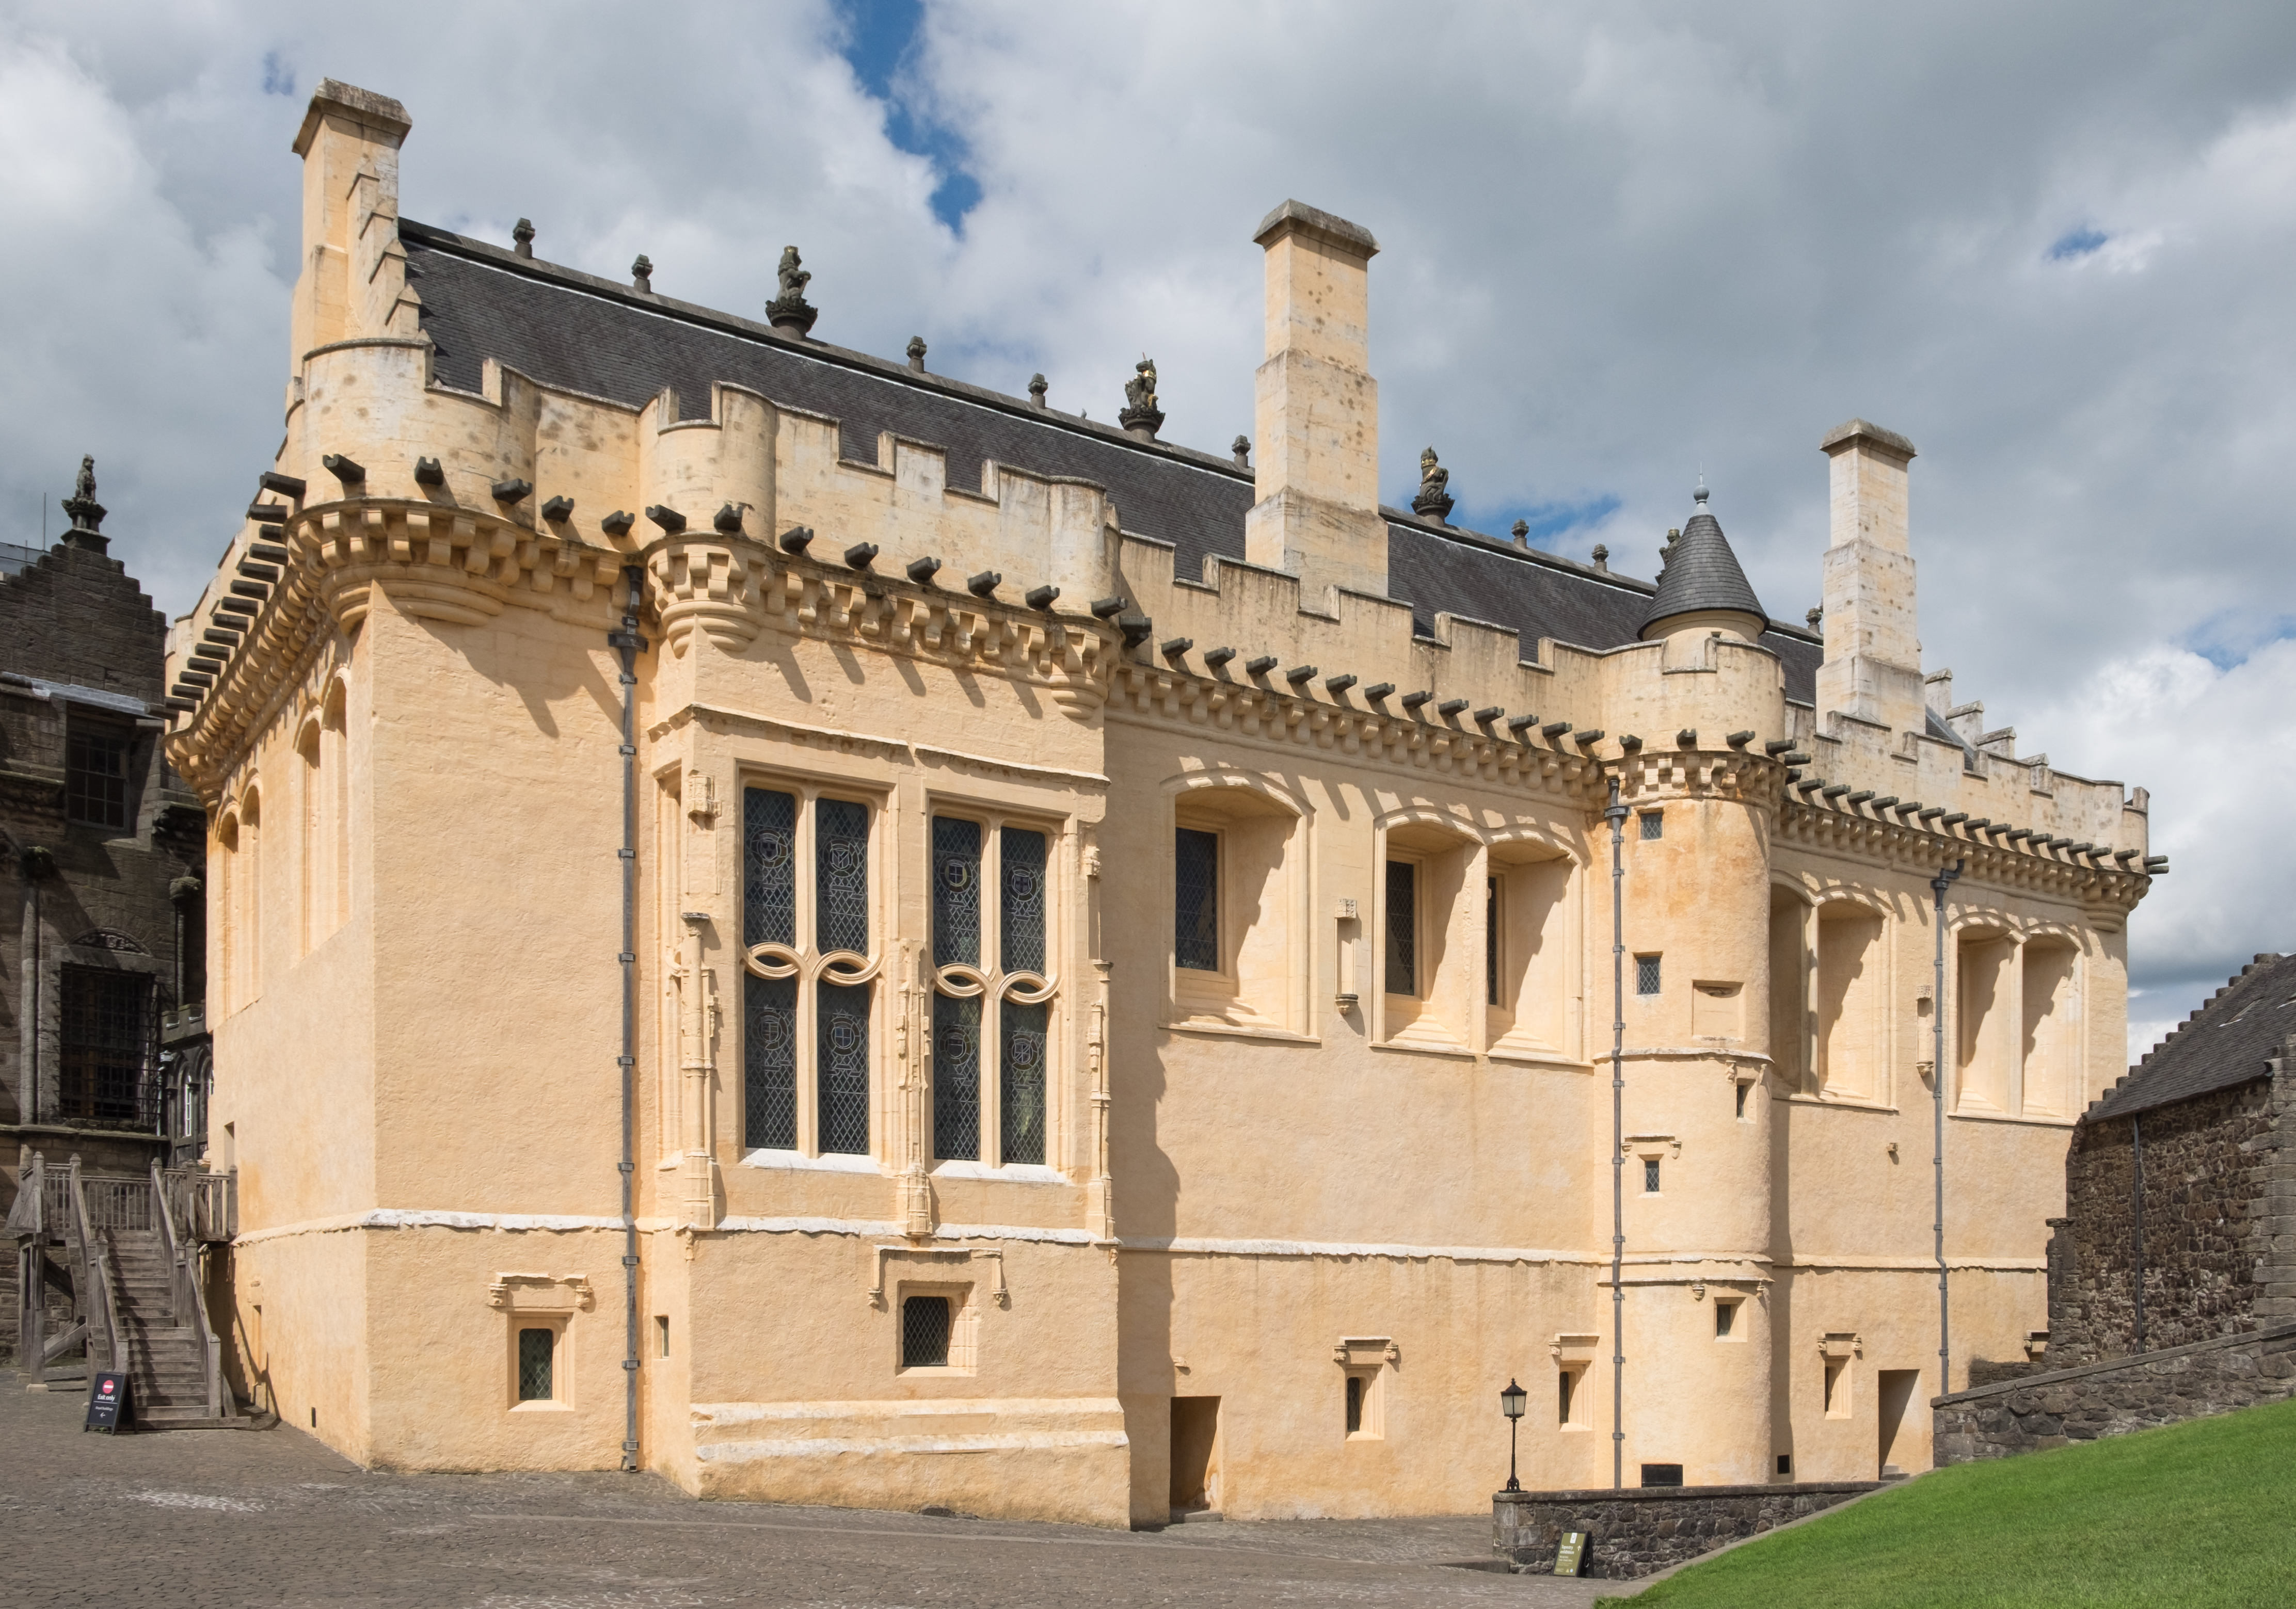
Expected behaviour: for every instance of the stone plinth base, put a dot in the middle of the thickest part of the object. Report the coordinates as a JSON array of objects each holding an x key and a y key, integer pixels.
[
  {"x": 2114, "y": 1398},
  {"x": 1639, "y": 1531}
]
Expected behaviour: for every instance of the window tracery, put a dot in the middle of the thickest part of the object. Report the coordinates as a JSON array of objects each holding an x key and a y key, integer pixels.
[{"x": 990, "y": 1108}]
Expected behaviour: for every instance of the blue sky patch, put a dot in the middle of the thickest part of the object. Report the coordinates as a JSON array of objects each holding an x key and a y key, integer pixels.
[
  {"x": 278, "y": 77},
  {"x": 1549, "y": 522},
  {"x": 2077, "y": 243},
  {"x": 2228, "y": 640},
  {"x": 881, "y": 37}
]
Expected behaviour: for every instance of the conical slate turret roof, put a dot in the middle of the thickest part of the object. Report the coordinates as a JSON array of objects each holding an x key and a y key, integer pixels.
[{"x": 1701, "y": 577}]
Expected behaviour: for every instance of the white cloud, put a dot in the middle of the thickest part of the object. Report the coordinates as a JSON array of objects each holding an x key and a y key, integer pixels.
[{"x": 1622, "y": 241}]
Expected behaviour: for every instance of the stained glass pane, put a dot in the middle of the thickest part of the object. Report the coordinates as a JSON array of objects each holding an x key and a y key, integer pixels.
[
  {"x": 1195, "y": 904},
  {"x": 769, "y": 861},
  {"x": 956, "y": 1078},
  {"x": 956, "y": 891},
  {"x": 843, "y": 1068},
  {"x": 1022, "y": 855},
  {"x": 1402, "y": 927},
  {"x": 535, "y": 1347},
  {"x": 1021, "y": 1072},
  {"x": 769, "y": 1063},
  {"x": 841, "y": 871}
]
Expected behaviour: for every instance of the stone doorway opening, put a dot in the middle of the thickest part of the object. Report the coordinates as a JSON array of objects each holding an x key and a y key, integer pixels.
[
  {"x": 1895, "y": 1394},
  {"x": 1195, "y": 1456}
]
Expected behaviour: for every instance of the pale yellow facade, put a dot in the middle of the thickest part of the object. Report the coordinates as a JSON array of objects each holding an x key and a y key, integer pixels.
[{"x": 1255, "y": 1178}]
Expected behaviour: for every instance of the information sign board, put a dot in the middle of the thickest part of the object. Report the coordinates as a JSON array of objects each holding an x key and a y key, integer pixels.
[
  {"x": 1572, "y": 1556},
  {"x": 107, "y": 1402}
]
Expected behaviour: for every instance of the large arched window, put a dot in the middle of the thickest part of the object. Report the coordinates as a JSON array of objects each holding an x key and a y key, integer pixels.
[
  {"x": 995, "y": 988},
  {"x": 1526, "y": 948},
  {"x": 1435, "y": 974}
]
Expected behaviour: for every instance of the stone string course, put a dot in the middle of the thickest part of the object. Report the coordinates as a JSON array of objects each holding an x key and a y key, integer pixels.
[
  {"x": 2066, "y": 1405},
  {"x": 1640, "y": 1531}
]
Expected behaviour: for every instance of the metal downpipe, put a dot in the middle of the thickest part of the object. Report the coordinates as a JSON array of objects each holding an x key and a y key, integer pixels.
[
  {"x": 628, "y": 644},
  {"x": 1938, "y": 885},
  {"x": 1616, "y": 814}
]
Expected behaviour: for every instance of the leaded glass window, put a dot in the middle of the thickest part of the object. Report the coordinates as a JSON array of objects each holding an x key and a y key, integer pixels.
[
  {"x": 1021, "y": 1069},
  {"x": 841, "y": 1021},
  {"x": 956, "y": 891},
  {"x": 1647, "y": 974},
  {"x": 536, "y": 1356},
  {"x": 1402, "y": 927},
  {"x": 769, "y": 1064},
  {"x": 956, "y": 1077},
  {"x": 924, "y": 1332},
  {"x": 805, "y": 1016},
  {"x": 1022, "y": 917},
  {"x": 769, "y": 885},
  {"x": 840, "y": 857},
  {"x": 1195, "y": 903}
]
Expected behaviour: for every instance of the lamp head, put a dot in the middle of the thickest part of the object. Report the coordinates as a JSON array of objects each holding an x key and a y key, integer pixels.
[{"x": 1511, "y": 1398}]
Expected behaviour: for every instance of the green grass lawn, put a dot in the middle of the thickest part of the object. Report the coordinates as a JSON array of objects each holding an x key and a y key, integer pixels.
[{"x": 2197, "y": 1514}]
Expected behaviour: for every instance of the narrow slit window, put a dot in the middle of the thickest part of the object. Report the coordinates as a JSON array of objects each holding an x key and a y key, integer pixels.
[
  {"x": 661, "y": 1334},
  {"x": 1491, "y": 941},
  {"x": 1653, "y": 824},
  {"x": 1402, "y": 927},
  {"x": 1354, "y": 1404},
  {"x": 1195, "y": 906},
  {"x": 537, "y": 1361},
  {"x": 1647, "y": 974},
  {"x": 1649, "y": 1175},
  {"x": 1726, "y": 1320},
  {"x": 924, "y": 1332},
  {"x": 1566, "y": 1386},
  {"x": 1742, "y": 1099}
]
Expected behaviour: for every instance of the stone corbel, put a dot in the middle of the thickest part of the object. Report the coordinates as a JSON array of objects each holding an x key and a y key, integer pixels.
[
  {"x": 1569, "y": 1351},
  {"x": 1366, "y": 1352},
  {"x": 1842, "y": 1343}
]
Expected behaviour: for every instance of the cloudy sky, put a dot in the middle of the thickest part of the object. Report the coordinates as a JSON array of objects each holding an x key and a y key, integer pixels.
[{"x": 1623, "y": 244}]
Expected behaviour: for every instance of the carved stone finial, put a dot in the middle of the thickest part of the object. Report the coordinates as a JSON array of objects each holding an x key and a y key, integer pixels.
[
  {"x": 1601, "y": 556},
  {"x": 1038, "y": 386},
  {"x": 642, "y": 273},
  {"x": 86, "y": 514},
  {"x": 1242, "y": 447},
  {"x": 1434, "y": 500},
  {"x": 1140, "y": 416},
  {"x": 917, "y": 354},
  {"x": 1817, "y": 618},
  {"x": 523, "y": 237},
  {"x": 790, "y": 313},
  {"x": 1521, "y": 533}
]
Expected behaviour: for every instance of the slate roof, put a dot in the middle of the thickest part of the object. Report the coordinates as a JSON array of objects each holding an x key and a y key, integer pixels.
[
  {"x": 583, "y": 333},
  {"x": 2225, "y": 1043},
  {"x": 1701, "y": 573}
]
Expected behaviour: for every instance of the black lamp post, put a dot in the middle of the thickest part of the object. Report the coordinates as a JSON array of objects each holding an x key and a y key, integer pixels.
[{"x": 1511, "y": 1402}]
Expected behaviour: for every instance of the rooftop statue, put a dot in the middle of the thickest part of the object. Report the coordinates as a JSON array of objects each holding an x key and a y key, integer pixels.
[
  {"x": 86, "y": 514},
  {"x": 1434, "y": 500},
  {"x": 1141, "y": 416},
  {"x": 789, "y": 312}
]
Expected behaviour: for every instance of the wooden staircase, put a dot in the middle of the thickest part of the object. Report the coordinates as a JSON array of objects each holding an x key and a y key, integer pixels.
[{"x": 132, "y": 1245}]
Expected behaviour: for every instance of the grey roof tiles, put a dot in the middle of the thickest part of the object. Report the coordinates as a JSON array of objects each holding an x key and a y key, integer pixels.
[{"x": 2226, "y": 1043}]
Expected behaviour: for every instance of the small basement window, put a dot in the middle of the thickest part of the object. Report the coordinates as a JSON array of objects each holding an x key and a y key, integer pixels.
[
  {"x": 1649, "y": 1176},
  {"x": 1726, "y": 1320},
  {"x": 661, "y": 1334},
  {"x": 1785, "y": 1463},
  {"x": 1647, "y": 974},
  {"x": 537, "y": 1365},
  {"x": 1662, "y": 1474},
  {"x": 924, "y": 1332}
]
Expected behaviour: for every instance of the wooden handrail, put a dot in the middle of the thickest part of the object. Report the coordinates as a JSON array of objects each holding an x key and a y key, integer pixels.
[
  {"x": 183, "y": 1288},
  {"x": 95, "y": 1301}
]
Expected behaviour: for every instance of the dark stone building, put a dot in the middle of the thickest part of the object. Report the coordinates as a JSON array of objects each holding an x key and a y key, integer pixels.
[
  {"x": 2172, "y": 1276},
  {"x": 102, "y": 1054}
]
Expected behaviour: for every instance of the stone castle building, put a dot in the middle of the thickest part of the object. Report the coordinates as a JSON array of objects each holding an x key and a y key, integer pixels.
[{"x": 852, "y": 938}]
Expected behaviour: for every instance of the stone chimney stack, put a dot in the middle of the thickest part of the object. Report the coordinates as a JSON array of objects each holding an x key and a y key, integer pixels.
[
  {"x": 1316, "y": 424},
  {"x": 1873, "y": 668},
  {"x": 353, "y": 284}
]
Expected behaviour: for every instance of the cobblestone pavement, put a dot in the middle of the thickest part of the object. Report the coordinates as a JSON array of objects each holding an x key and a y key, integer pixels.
[{"x": 274, "y": 1520}]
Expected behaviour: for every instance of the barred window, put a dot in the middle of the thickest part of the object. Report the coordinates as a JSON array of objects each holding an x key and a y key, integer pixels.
[
  {"x": 95, "y": 777},
  {"x": 1402, "y": 927},
  {"x": 807, "y": 1057},
  {"x": 990, "y": 1108},
  {"x": 1195, "y": 904},
  {"x": 1646, "y": 977},
  {"x": 107, "y": 1043}
]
